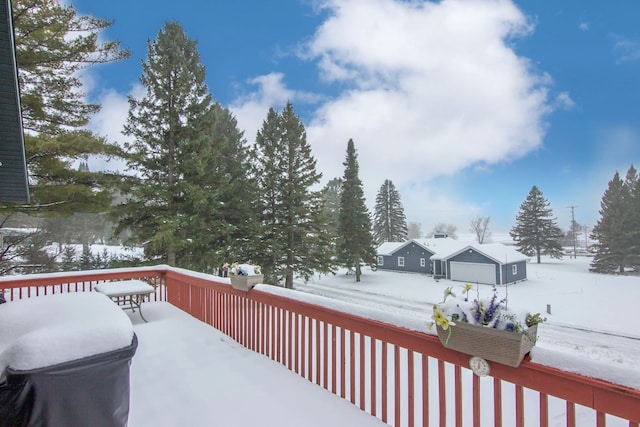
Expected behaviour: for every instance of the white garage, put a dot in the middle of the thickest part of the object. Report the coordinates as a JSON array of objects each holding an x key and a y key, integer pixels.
[{"x": 473, "y": 272}]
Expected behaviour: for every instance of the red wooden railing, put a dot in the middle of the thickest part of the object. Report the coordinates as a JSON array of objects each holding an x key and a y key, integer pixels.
[{"x": 403, "y": 377}]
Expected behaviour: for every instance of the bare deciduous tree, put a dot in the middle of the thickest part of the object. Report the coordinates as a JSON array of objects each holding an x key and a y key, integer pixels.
[{"x": 480, "y": 227}]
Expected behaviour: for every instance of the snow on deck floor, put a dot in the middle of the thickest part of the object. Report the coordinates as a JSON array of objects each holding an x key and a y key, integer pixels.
[{"x": 187, "y": 373}]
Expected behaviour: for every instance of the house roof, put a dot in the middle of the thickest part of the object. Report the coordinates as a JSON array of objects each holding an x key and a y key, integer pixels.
[
  {"x": 497, "y": 252},
  {"x": 388, "y": 248},
  {"x": 431, "y": 245},
  {"x": 13, "y": 168},
  {"x": 446, "y": 248},
  {"x": 440, "y": 245}
]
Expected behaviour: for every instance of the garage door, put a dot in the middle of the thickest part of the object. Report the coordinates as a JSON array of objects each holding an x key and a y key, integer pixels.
[{"x": 473, "y": 272}]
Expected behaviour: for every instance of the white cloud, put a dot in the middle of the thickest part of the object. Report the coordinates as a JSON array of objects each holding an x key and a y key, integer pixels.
[
  {"x": 427, "y": 89},
  {"x": 109, "y": 123},
  {"x": 563, "y": 101},
  {"x": 583, "y": 26},
  {"x": 251, "y": 109},
  {"x": 627, "y": 49},
  {"x": 433, "y": 88}
]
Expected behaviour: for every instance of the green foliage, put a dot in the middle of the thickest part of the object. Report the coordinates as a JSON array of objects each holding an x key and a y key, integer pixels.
[
  {"x": 536, "y": 231},
  {"x": 389, "y": 220},
  {"x": 164, "y": 125},
  {"x": 219, "y": 212},
  {"x": 190, "y": 200},
  {"x": 54, "y": 44},
  {"x": 293, "y": 238},
  {"x": 356, "y": 242},
  {"x": 618, "y": 229},
  {"x": 67, "y": 262},
  {"x": 331, "y": 194}
]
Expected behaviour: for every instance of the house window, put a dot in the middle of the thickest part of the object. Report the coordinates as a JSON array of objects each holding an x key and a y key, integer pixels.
[
  {"x": 380, "y": 260},
  {"x": 514, "y": 269},
  {"x": 400, "y": 261},
  {"x": 423, "y": 262}
]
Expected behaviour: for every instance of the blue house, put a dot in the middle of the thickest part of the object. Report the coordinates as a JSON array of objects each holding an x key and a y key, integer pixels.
[
  {"x": 405, "y": 256},
  {"x": 492, "y": 263},
  {"x": 413, "y": 255}
]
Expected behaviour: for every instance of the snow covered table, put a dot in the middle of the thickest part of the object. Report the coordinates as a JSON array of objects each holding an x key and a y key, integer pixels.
[{"x": 127, "y": 292}]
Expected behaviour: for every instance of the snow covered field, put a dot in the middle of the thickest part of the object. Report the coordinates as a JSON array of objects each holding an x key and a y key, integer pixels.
[
  {"x": 186, "y": 373},
  {"x": 592, "y": 329}
]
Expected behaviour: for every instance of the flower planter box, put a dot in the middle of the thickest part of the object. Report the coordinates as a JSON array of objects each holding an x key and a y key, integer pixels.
[
  {"x": 245, "y": 283},
  {"x": 496, "y": 345}
]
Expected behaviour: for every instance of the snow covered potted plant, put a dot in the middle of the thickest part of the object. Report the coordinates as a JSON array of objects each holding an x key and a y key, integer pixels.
[
  {"x": 486, "y": 328},
  {"x": 244, "y": 276}
]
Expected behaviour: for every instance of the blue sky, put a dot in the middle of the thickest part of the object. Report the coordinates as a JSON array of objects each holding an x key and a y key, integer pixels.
[{"x": 463, "y": 104}]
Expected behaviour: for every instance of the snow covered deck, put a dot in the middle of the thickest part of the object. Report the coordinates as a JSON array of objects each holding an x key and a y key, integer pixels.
[
  {"x": 187, "y": 373},
  {"x": 278, "y": 356}
]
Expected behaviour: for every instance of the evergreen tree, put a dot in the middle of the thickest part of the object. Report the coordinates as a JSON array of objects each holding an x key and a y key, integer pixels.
[
  {"x": 293, "y": 238},
  {"x": 332, "y": 193},
  {"x": 54, "y": 43},
  {"x": 356, "y": 242},
  {"x": 68, "y": 262},
  {"x": 167, "y": 124},
  {"x": 389, "y": 221},
  {"x": 632, "y": 182},
  {"x": 616, "y": 232},
  {"x": 219, "y": 213},
  {"x": 87, "y": 260},
  {"x": 536, "y": 231},
  {"x": 414, "y": 230},
  {"x": 331, "y": 208}
]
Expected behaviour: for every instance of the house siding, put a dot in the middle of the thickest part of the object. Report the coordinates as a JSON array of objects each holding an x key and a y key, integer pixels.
[
  {"x": 14, "y": 185},
  {"x": 507, "y": 272},
  {"x": 412, "y": 254},
  {"x": 472, "y": 256}
]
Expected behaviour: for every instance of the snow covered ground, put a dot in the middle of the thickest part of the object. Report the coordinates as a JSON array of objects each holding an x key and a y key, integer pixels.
[
  {"x": 187, "y": 373},
  {"x": 592, "y": 329}
]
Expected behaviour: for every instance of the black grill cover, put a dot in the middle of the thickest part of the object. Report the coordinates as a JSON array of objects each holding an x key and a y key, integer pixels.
[{"x": 93, "y": 391}]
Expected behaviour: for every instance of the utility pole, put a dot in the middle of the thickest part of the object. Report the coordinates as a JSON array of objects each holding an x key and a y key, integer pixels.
[{"x": 573, "y": 229}]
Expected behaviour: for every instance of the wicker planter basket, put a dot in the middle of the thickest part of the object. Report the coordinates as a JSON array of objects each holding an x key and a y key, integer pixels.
[
  {"x": 245, "y": 283},
  {"x": 496, "y": 345}
]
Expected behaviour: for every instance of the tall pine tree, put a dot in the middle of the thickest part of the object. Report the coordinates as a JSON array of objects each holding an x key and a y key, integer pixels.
[
  {"x": 616, "y": 232},
  {"x": 218, "y": 207},
  {"x": 389, "y": 221},
  {"x": 331, "y": 194},
  {"x": 536, "y": 232},
  {"x": 293, "y": 240},
  {"x": 53, "y": 45},
  {"x": 166, "y": 125},
  {"x": 356, "y": 242}
]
